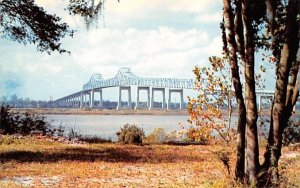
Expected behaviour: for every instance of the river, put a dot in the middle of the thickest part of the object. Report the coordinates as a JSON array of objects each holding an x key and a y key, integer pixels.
[{"x": 106, "y": 126}]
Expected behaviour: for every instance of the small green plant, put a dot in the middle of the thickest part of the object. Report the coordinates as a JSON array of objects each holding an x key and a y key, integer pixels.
[{"x": 130, "y": 134}]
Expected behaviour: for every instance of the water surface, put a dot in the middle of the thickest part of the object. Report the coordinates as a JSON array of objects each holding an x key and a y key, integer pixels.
[{"x": 107, "y": 125}]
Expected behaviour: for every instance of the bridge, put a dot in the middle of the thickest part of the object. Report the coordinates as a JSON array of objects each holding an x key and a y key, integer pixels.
[{"x": 125, "y": 79}]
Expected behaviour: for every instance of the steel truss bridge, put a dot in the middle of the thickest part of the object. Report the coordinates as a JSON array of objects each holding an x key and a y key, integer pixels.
[{"x": 124, "y": 79}]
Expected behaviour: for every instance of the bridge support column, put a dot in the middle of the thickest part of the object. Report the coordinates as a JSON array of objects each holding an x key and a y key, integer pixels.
[
  {"x": 78, "y": 101},
  {"x": 137, "y": 105},
  {"x": 259, "y": 102},
  {"x": 81, "y": 100},
  {"x": 128, "y": 88},
  {"x": 163, "y": 90},
  {"x": 180, "y": 91},
  {"x": 67, "y": 102},
  {"x": 72, "y": 102},
  {"x": 88, "y": 103},
  {"x": 100, "y": 99},
  {"x": 84, "y": 100},
  {"x": 92, "y": 99}
]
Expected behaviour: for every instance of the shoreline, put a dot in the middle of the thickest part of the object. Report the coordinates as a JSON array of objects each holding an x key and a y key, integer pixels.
[{"x": 87, "y": 111}]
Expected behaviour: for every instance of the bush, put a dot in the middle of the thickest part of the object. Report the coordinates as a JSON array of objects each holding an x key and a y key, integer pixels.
[
  {"x": 94, "y": 139},
  {"x": 158, "y": 136},
  {"x": 91, "y": 139},
  {"x": 291, "y": 135},
  {"x": 16, "y": 123},
  {"x": 130, "y": 134},
  {"x": 199, "y": 134}
]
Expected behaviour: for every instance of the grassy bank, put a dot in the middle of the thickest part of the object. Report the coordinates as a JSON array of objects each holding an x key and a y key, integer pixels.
[{"x": 34, "y": 162}]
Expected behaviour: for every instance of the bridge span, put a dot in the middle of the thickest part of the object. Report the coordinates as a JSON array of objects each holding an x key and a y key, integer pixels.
[{"x": 125, "y": 79}]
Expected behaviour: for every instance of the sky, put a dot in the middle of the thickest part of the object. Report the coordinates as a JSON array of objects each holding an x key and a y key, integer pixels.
[{"x": 158, "y": 38}]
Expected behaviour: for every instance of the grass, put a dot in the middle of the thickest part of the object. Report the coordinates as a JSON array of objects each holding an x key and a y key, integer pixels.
[{"x": 40, "y": 163}]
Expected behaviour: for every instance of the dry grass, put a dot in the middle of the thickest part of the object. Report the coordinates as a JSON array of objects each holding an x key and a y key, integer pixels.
[{"x": 41, "y": 163}]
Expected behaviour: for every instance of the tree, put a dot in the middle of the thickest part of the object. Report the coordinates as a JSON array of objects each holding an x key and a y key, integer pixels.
[
  {"x": 243, "y": 36},
  {"x": 25, "y": 22},
  {"x": 287, "y": 84},
  {"x": 215, "y": 94}
]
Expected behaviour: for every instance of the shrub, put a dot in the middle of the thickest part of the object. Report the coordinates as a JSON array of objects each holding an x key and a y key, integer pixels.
[
  {"x": 16, "y": 123},
  {"x": 158, "y": 136},
  {"x": 199, "y": 134},
  {"x": 94, "y": 139},
  {"x": 291, "y": 135},
  {"x": 130, "y": 134}
]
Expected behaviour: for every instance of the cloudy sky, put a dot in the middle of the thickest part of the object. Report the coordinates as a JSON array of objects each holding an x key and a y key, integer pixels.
[{"x": 158, "y": 38}]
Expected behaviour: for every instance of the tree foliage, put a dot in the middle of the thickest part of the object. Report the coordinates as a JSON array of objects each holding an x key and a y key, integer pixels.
[
  {"x": 25, "y": 22},
  {"x": 89, "y": 10},
  {"x": 215, "y": 94}
]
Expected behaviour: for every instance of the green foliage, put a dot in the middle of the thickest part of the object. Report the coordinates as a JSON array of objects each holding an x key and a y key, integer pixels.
[
  {"x": 25, "y": 22},
  {"x": 16, "y": 123},
  {"x": 158, "y": 136},
  {"x": 130, "y": 134}
]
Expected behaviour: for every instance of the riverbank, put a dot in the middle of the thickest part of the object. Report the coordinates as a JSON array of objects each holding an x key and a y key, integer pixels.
[{"x": 87, "y": 111}]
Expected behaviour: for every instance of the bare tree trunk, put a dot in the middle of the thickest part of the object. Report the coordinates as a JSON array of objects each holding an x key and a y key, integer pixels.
[
  {"x": 230, "y": 40},
  {"x": 281, "y": 112},
  {"x": 252, "y": 152}
]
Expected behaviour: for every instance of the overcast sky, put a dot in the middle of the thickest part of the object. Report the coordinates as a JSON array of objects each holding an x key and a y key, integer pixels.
[{"x": 158, "y": 38}]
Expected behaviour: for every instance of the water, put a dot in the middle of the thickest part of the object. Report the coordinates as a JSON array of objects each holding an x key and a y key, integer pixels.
[{"x": 107, "y": 125}]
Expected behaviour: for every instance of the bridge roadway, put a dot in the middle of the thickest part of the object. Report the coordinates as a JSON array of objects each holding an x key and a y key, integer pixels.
[{"x": 125, "y": 79}]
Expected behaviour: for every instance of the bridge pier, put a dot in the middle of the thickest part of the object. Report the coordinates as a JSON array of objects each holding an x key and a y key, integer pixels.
[
  {"x": 81, "y": 100},
  {"x": 100, "y": 98},
  {"x": 163, "y": 90},
  {"x": 260, "y": 97},
  {"x": 91, "y": 98},
  {"x": 127, "y": 88},
  {"x": 137, "y": 105},
  {"x": 77, "y": 101},
  {"x": 180, "y": 91}
]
